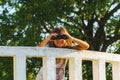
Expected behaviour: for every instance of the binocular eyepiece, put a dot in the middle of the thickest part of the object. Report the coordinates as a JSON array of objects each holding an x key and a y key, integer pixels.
[{"x": 59, "y": 36}]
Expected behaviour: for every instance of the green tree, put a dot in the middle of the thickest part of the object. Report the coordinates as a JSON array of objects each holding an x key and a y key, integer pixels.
[{"x": 25, "y": 23}]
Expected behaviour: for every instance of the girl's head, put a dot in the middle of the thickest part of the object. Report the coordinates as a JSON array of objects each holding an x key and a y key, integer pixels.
[
  {"x": 60, "y": 42},
  {"x": 59, "y": 30}
]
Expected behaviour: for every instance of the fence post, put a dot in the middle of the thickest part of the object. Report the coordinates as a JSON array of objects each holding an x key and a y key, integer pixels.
[
  {"x": 71, "y": 69},
  {"x": 116, "y": 70},
  {"x": 77, "y": 68},
  {"x": 49, "y": 68},
  {"x": 20, "y": 67},
  {"x": 99, "y": 72}
]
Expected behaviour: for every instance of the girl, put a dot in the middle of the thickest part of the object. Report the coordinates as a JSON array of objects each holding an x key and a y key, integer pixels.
[{"x": 60, "y": 38}]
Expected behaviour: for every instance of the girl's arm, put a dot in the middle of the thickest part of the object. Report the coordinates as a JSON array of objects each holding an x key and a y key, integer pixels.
[
  {"x": 82, "y": 45},
  {"x": 46, "y": 40}
]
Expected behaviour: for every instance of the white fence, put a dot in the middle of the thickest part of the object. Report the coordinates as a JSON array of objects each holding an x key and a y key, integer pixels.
[{"x": 75, "y": 61}]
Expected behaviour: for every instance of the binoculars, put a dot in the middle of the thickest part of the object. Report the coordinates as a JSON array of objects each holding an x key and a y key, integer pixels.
[{"x": 59, "y": 36}]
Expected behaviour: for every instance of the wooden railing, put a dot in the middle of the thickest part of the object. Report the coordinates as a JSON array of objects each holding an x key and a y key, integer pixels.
[{"x": 75, "y": 61}]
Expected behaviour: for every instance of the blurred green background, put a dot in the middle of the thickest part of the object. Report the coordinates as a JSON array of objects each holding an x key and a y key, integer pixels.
[{"x": 28, "y": 22}]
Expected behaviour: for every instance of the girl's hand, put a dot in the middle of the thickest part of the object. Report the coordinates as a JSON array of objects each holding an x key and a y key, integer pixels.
[
  {"x": 46, "y": 40},
  {"x": 50, "y": 36},
  {"x": 67, "y": 34}
]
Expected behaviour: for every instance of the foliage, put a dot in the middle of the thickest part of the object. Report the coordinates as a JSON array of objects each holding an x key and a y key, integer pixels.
[
  {"x": 25, "y": 23},
  {"x": 34, "y": 65},
  {"x": 6, "y": 68}
]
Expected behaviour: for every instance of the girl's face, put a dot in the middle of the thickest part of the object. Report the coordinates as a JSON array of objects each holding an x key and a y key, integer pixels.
[{"x": 60, "y": 43}]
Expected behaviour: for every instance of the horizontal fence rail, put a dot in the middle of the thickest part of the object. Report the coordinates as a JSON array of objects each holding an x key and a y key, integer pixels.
[{"x": 75, "y": 61}]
